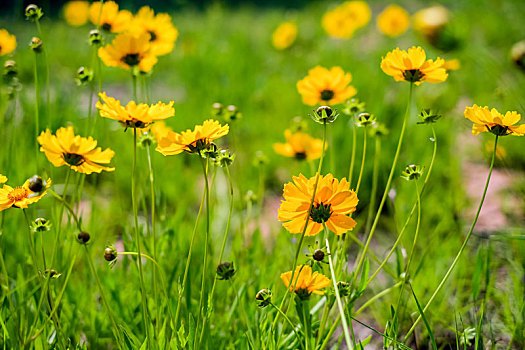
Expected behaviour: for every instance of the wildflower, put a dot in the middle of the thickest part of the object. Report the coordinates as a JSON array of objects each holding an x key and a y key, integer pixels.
[
  {"x": 428, "y": 116},
  {"x": 305, "y": 281},
  {"x": 225, "y": 270},
  {"x": 129, "y": 51},
  {"x": 412, "y": 172},
  {"x": 79, "y": 153},
  {"x": 353, "y": 106},
  {"x": 332, "y": 203},
  {"x": 263, "y": 297},
  {"x": 159, "y": 130},
  {"x": 35, "y": 44},
  {"x": 453, "y": 64},
  {"x": 413, "y": 67},
  {"x": 493, "y": 121},
  {"x": 323, "y": 86},
  {"x": 324, "y": 114},
  {"x": 284, "y": 36},
  {"x": 76, "y": 12},
  {"x": 21, "y": 196},
  {"x": 110, "y": 19},
  {"x": 3, "y": 179},
  {"x": 134, "y": 115},
  {"x": 299, "y": 146},
  {"x": 83, "y": 237},
  {"x": 393, "y": 21},
  {"x": 110, "y": 253},
  {"x": 161, "y": 32},
  {"x": 192, "y": 141},
  {"x": 345, "y": 19},
  {"x": 365, "y": 119},
  {"x": 33, "y": 13},
  {"x": 430, "y": 21},
  {"x": 95, "y": 38},
  {"x": 40, "y": 225},
  {"x": 7, "y": 42}
]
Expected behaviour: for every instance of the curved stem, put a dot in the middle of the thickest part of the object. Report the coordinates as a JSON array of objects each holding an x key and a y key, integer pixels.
[
  {"x": 286, "y": 318},
  {"x": 362, "y": 162},
  {"x": 352, "y": 158},
  {"x": 375, "y": 176}
]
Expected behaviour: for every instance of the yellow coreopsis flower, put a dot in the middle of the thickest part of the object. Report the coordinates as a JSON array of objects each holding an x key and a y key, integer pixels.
[
  {"x": 452, "y": 64},
  {"x": 412, "y": 66},
  {"x": 159, "y": 130},
  {"x": 305, "y": 281},
  {"x": 431, "y": 20},
  {"x": 111, "y": 19},
  {"x": 76, "y": 12},
  {"x": 333, "y": 202},
  {"x": 300, "y": 146},
  {"x": 21, "y": 196},
  {"x": 323, "y": 86},
  {"x": 490, "y": 120},
  {"x": 128, "y": 51},
  {"x": 345, "y": 19},
  {"x": 7, "y": 42},
  {"x": 134, "y": 115},
  {"x": 192, "y": 141},
  {"x": 3, "y": 179},
  {"x": 393, "y": 21},
  {"x": 79, "y": 153},
  {"x": 284, "y": 36},
  {"x": 162, "y": 33}
]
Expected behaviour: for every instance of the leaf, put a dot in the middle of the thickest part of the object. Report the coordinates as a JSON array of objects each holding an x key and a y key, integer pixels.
[
  {"x": 364, "y": 276},
  {"x": 430, "y": 334},
  {"x": 181, "y": 334}
]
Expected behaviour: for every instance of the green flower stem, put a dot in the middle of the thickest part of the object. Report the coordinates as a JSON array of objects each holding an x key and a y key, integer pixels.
[
  {"x": 362, "y": 162},
  {"x": 286, "y": 318},
  {"x": 134, "y": 80},
  {"x": 60, "y": 214},
  {"x": 306, "y": 322},
  {"x": 32, "y": 246},
  {"x": 352, "y": 157},
  {"x": 324, "y": 319},
  {"x": 37, "y": 109},
  {"x": 46, "y": 63},
  {"x": 331, "y": 331},
  {"x": 456, "y": 259},
  {"x": 375, "y": 297},
  {"x": 69, "y": 208}
]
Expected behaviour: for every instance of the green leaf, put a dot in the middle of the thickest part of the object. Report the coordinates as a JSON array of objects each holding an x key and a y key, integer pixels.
[
  {"x": 181, "y": 334},
  {"x": 364, "y": 276},
  {"x": 430, "y": 334}
]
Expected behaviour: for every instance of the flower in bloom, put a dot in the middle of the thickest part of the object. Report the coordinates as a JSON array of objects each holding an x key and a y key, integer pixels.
[
  {"x": 162, "y": 33},
  {"x": 79, "y": 153},
  {"x": 452, "y": 64},
  {"x": 305, "y": 281},
  {"x": 134, "y": 115},
  {"x": 160, "y": 130},
  {"x": 323, "y": 86},
  {"x": 393, "y": 21},
  {"x": 333, "y": 202},
  {"x": 300, "y": 146},
  {"x": 413, "y": 66},
  {"x": 345, "y": 19},
  {"x": 20, "y": 196},
  {"x": 192, "y": 141},
  {"x": 284, "y": 36},
  {"x": 111, "y": 19},
  {"x": 76, "y": 12},
  {"x": 3, "y": 179},
  {"x": 7, "y": 42},
  {"x": 490, "y": 120},
  {"x": 431, "y": 20},
  {"x": 129, "y": 50}
]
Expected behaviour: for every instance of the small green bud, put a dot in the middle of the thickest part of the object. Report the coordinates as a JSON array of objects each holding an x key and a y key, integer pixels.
[
  {"x": 353, "y": 106},
  {"x": 299, "y": 124},
  {"x": 378, "y": 129},
  {"x": 217, "y": 109},
  {"x": 10, "y": 68},
  {"x": 95, "y": 38},
  {"x": 263, "y": 298},
  {"x": 232, "y": 113},
  {"x": 225, "y": 270},
  {"x": 40, "y": 225},
  {"x": 224, "y": 158},
  {"x": 365, "y": 119},
  {"x": 343, "y": 288},
  {"x": 260, "y": 159},
  {"x": 84, "y": 76},
  {"x": 52, "y": 273},
  {"x": 83, "y": 237},
  {"x": 146, "y": 140},
  {"x": 427, "y": 116},
  {"x": 36, "y": 44},
  {"x": 412, "y": 172},
  {"x": 33, "y": 13},
  {"x": 517, "y": 54},
  {"x": 250, "y": 197},
  {"x": 325, "y": 115}
]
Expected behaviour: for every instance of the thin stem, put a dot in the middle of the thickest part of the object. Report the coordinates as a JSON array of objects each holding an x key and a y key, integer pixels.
[
  {"x": 287, "y": 319},
  {"x": 44, "y": 52},
  {"x": 354, "y": 145},
  {"x": 134, "y": 79},
  {"x": 37, "y": 109},
  {"x": 375, "y": 297},
  {"x": 362, "y": 162}
]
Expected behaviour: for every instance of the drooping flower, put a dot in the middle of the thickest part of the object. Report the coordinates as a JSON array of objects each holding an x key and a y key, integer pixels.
[
  {"x": 300, "y": 146},
  {"x": 323, "y": 86},
  {"x": 333, "y": 203},
  {"x": 76, "y": 12},
  {"x": 79, "y": 153},
  {"x": 305, "y": 281},
  {"x": 7, "y": 42},
  {"x": 192, "y": 141},
  {"x": 111, "y": 19},
  {"x": 129, "y": 51},
  {"x": 345, "y": 19},
  {"x": 412, "y": 66},
  {"x": 134, "y": 115},
  {"x": 162, "y": 33},
  {"x": 393, "y": 21},
  {"x": 490, "y": 120},
  {"x": 284, "y": 36},
  {"x": 21, "y": 196}
]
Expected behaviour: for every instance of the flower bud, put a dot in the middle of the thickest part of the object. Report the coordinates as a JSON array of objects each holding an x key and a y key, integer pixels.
[
  {"x": 412, "y": 172},
  {"x": 232, "y": 113},
  {"x": 353, "y": 106},
  {"x": 36, "y": 184},
  {"x": 33, "y": 13},
  {"x": 40, "y": 225},
  {"x": 95, "y": 38},
  {"x": 224, "y": 158},
  {"x": 428, "y": 116},
  {"x": 83, "y": 237},
  {"x": 260, "y": 159},
  {"x": 324, "y": 115},
  {"x": 217, "y": 109},
  {"x": 365, "y": 119},
  {"x": 299, "y": 124},
  {"x": 225, "y": 270},
  {"x": 263, "y": 297},
  {"x": 378, "y": 129},
  {"x": 517, "y": 54},
  {"x": 250, "y": 197},
  {"x": 52, "y": 273},
  {"x": 110, "y": 253},
  {"x": 343, "y": 288},
  {"x": 10, "y": 68},
  {"x": 146, "y": 140},
  {"x": 36, "y": 44},
  {"x": 84, "y": 76}
]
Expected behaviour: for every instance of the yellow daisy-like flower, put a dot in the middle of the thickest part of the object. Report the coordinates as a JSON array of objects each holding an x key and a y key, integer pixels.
[
  {"x": 76, "y": 12},
  {"x": 490, "y": 120},
  {"x": 79, "y": 153},
  {"x": 129, "y": 50},
  {"x": 431, "y": 20},
  {"x": 323, "y": 86},
  {"x": 134, "y": 115},
  {"x": 300, "y": 146},
  {"x": 7, "y": 42},
  {"x": 160, "y": 130},
  {"x": 393, "y": 21},
  {"x": 284, "y": 36},
  {"x": 413, "y": 66},
  {"x": 3, "y": 179},
  {"x": 305, "y": 281},
  {"x": 332, "y": 203},
  {"x": 162, "y": 33},
  {"x": 192, "y": 141},
  {"x": 111, "y": 19},
  {"x": 345, "y": 19},
  {"x": 21, "y": 196}
]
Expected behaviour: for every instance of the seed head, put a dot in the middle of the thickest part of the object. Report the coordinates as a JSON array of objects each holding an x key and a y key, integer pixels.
[
  {"x": 225, "y": 270},
  {"x": 263, "y": 298},
  {"x": 412, "y": 172},
  {"x": 325, "y": 115},
  {"x": 110, "y": 253},
  {"x": 83, "y": 237},
  {"x": 40, "y": 225},
  {"x": 36, "y": 184},
  {"x": 33, "y": 13},
  {"x": 365, "y": 119}
]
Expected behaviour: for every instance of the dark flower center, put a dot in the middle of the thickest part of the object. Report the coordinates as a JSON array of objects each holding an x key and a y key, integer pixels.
[
  {"x": 131, "y": 59},
  {"x": 300, "y": 155},
  {"x": 152, "y": 35},
  {"x": 413, "y": 75},
  {"x": 73, "y": 159},
  {"x": 499, "y": 130},
  {"x": 320, "y": 213},
  {"x": 303, "y": 294},
  {"x": 106, "y": 27},
  {"x": 327, "y": 95}
]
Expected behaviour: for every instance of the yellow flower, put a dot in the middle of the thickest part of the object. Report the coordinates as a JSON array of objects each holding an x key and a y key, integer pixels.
[
  {"x": 7, "y": 42},
  {"x": 284, "y": 36},
  {"x": 305, "y": 281},
  {"x": 431, "y": 20},
  {"x": 192, "y": 141},
  {"x": 134, "y": 115},
  {"x": 453, "y": 64},
  {"x": 21, "y": 196},
  {"x": 345, "y": 19},
  {"x": 413, "y": 66},
  {"x": 3, "y": 179},
  {"x": 129, "y": 50},
  {"x": 111, "y": 19},
  {"x": 300, "y": 146},
  {"x": 323, "y": 86},
  {"x": 491, "y": 120},
  {"x": 79, "y": 153},
  {"x": 332, "y": 203},
  {"x": 162, "y": 33},
  {"x": 76, "y": 12},
  {"x": 159, "y": 130},
  {"x": 393, "y": 21}
]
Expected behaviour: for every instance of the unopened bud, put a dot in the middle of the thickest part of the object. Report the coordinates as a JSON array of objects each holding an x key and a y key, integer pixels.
[
  {"x": 83, "y": 237},
  {"x": 33, "y": 13},
  {"x": 263, "y": 297},
  {"x": 225, "y": 270}
]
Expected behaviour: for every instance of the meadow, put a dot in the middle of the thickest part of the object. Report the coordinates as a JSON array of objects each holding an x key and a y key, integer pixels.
[{"x": 293, "y": 176}]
